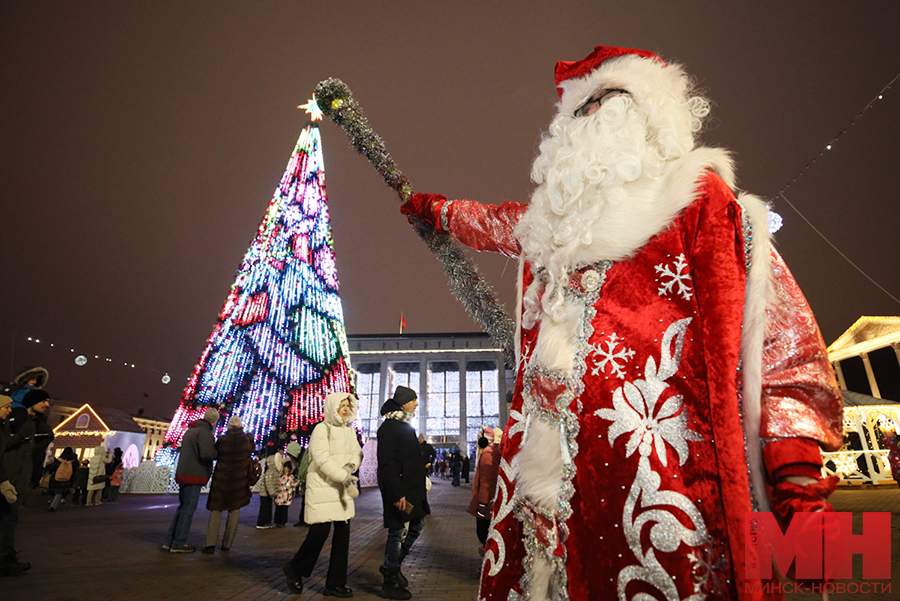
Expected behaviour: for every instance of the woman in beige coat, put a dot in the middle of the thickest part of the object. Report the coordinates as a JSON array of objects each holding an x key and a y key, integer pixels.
[
  {"x": 97, "y": 467},
  {"x": 330, "y": 489}
]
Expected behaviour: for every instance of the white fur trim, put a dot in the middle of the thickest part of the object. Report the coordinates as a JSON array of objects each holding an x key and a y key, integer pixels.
[
  {"x": 541, "y": 571},
  {"x": 520, "y": 275},
  {"x": 539, "y": 465},
  {"x": 557, "y": 339},
  {"x": 640, "y": 76},
  {"x": 757, "y": 295}
]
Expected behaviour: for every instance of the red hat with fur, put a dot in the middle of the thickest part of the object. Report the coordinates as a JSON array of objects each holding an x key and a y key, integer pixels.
[{"x": 575, "y": 69}]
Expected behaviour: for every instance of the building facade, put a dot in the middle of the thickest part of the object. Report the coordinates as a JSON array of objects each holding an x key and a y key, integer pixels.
[{"x": 461, "y": 381}]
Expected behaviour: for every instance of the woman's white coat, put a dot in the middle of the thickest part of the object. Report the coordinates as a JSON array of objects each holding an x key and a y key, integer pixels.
[{"x": 332, "y": 446}]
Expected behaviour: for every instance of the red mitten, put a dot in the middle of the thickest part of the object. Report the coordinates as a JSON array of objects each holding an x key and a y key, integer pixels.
[
  {"x": 423, "y": 207},
  {"x": 789, "y": 498}
]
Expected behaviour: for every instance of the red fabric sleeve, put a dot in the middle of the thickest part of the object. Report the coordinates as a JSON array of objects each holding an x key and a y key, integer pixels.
[
  {"x": 801, "y": 398},
  {"x": 479, "y": 226},
  {"x": 483, "y": 226},
  {"x": 792, "y": 457}
]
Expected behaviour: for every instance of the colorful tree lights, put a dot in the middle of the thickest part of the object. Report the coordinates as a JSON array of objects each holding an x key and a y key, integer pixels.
[{"x": 279, "y": 345}]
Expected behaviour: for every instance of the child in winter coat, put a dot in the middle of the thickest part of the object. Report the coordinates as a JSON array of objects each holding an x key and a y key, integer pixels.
[
  {"x": 115, "y": 481},
  {"x": 269, "y": 490},
  {"x": 287, "y": 484}
]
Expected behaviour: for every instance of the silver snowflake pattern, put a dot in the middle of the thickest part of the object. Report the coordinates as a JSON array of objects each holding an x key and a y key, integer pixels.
[
  {"x": 637, "y": 409},
  {"x": 611, "y": 356},
  {"x": 707, "y": 570},
  {"x": 672, "y": 275}
]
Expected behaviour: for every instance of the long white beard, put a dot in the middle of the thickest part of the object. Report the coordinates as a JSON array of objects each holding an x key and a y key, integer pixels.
[{"x": 582, "y": 170}]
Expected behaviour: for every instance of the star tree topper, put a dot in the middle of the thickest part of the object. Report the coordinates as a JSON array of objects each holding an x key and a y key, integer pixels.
[{"x": 311, "y": 108}]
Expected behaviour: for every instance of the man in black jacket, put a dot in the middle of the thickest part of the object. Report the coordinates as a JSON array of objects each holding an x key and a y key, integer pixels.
[
  {"x": 428, "y": 453},
  {"x": 401, "y": 478},
  {"x": 17, "y": 431},
  {"x": 195, "y": 466}
]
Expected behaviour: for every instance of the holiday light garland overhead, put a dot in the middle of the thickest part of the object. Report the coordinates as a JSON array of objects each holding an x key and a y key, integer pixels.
[
  {"x": 829, "y": 146},
  {"x": 81, "y": 359},
  {"x": 279, "y": 345}
]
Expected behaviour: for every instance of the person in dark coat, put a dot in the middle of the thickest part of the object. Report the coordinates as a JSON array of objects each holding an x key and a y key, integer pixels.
[
  {"x": 401, "y": 478},
  {"x": 195, "y": 466},
  {"x": 110, "y": 469},
  {"x": 466, "y": 468},
  {"x": 428, "y": 454},
  {"x": 18, "y": 463},
  {"x": 60, "y": 488},
  {"x": 9, "y": 502},
  {"x": 79, "y": 483},
  {"x": 230, "y": 488},
  {"x": 455, "y": 466}
]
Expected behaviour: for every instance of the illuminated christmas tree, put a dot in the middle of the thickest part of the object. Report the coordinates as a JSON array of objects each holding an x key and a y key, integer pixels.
[{"x": 279, "y": 345}]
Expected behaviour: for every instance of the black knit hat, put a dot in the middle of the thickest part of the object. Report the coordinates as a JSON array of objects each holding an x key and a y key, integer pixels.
[
  {"x": 34, "y": 397},
  {"x": 403, "y": 395}
]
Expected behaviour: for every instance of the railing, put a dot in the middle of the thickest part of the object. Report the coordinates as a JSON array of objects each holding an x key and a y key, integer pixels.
[{"x": 858, "y": 467}]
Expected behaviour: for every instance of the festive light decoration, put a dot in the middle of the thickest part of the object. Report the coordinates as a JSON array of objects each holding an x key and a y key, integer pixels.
[
  {"x": 81, "y": 360},
  {"x": 312, "y": 109},
  {"x": 846, "y": 463},
  {"x": 775, "y": 221},
  {"x": 279, "y": 345}
]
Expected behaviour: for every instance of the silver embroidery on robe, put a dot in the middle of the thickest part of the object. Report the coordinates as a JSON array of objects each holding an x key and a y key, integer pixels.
[{"x": 652, "y": 424}]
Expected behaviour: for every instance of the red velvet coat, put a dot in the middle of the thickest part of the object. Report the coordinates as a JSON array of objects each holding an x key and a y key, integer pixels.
[{"x": 647, "y": 425}]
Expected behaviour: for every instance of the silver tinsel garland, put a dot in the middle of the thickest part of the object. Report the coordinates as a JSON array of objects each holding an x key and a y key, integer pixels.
[{"x": 466, "y": 281}]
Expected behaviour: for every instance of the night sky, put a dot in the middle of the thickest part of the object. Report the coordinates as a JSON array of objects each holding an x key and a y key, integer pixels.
[{"x": 140, "y": 143}]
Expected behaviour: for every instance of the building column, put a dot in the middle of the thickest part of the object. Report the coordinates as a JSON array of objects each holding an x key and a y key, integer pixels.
[
  {"x": 870, "y": 375},
  {"x": 423, "y": 396},
  {"x": 463, "y": 446},
  {"x": 383, "y": 387},
  {"x": 896, "y": 347},
  {"x": 840, "y": 374}
]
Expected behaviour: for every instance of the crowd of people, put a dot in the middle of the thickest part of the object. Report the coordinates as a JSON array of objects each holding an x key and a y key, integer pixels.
[{"x": 325, "y": 474}]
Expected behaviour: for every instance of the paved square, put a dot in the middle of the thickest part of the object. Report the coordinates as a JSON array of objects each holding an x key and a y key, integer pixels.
[{"x": 112, "y": 552}]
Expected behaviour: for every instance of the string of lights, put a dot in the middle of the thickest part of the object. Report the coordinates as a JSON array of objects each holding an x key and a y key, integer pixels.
[
  {"x": 279, "y": 345},
  {"x": 829, "y": 146},
  {"x": 82, "y": 358},
  {"x": 834, "y": 140}
]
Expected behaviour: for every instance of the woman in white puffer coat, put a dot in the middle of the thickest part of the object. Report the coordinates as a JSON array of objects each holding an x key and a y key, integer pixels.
[
  {"x": 97, "y": 467},
  {"x": 330, "y": 489}
]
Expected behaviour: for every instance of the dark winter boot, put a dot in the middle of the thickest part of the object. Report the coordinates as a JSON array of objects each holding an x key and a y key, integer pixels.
[
  {"x": 400, "y": 577},
  {"x": 392, "y": 589}
]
